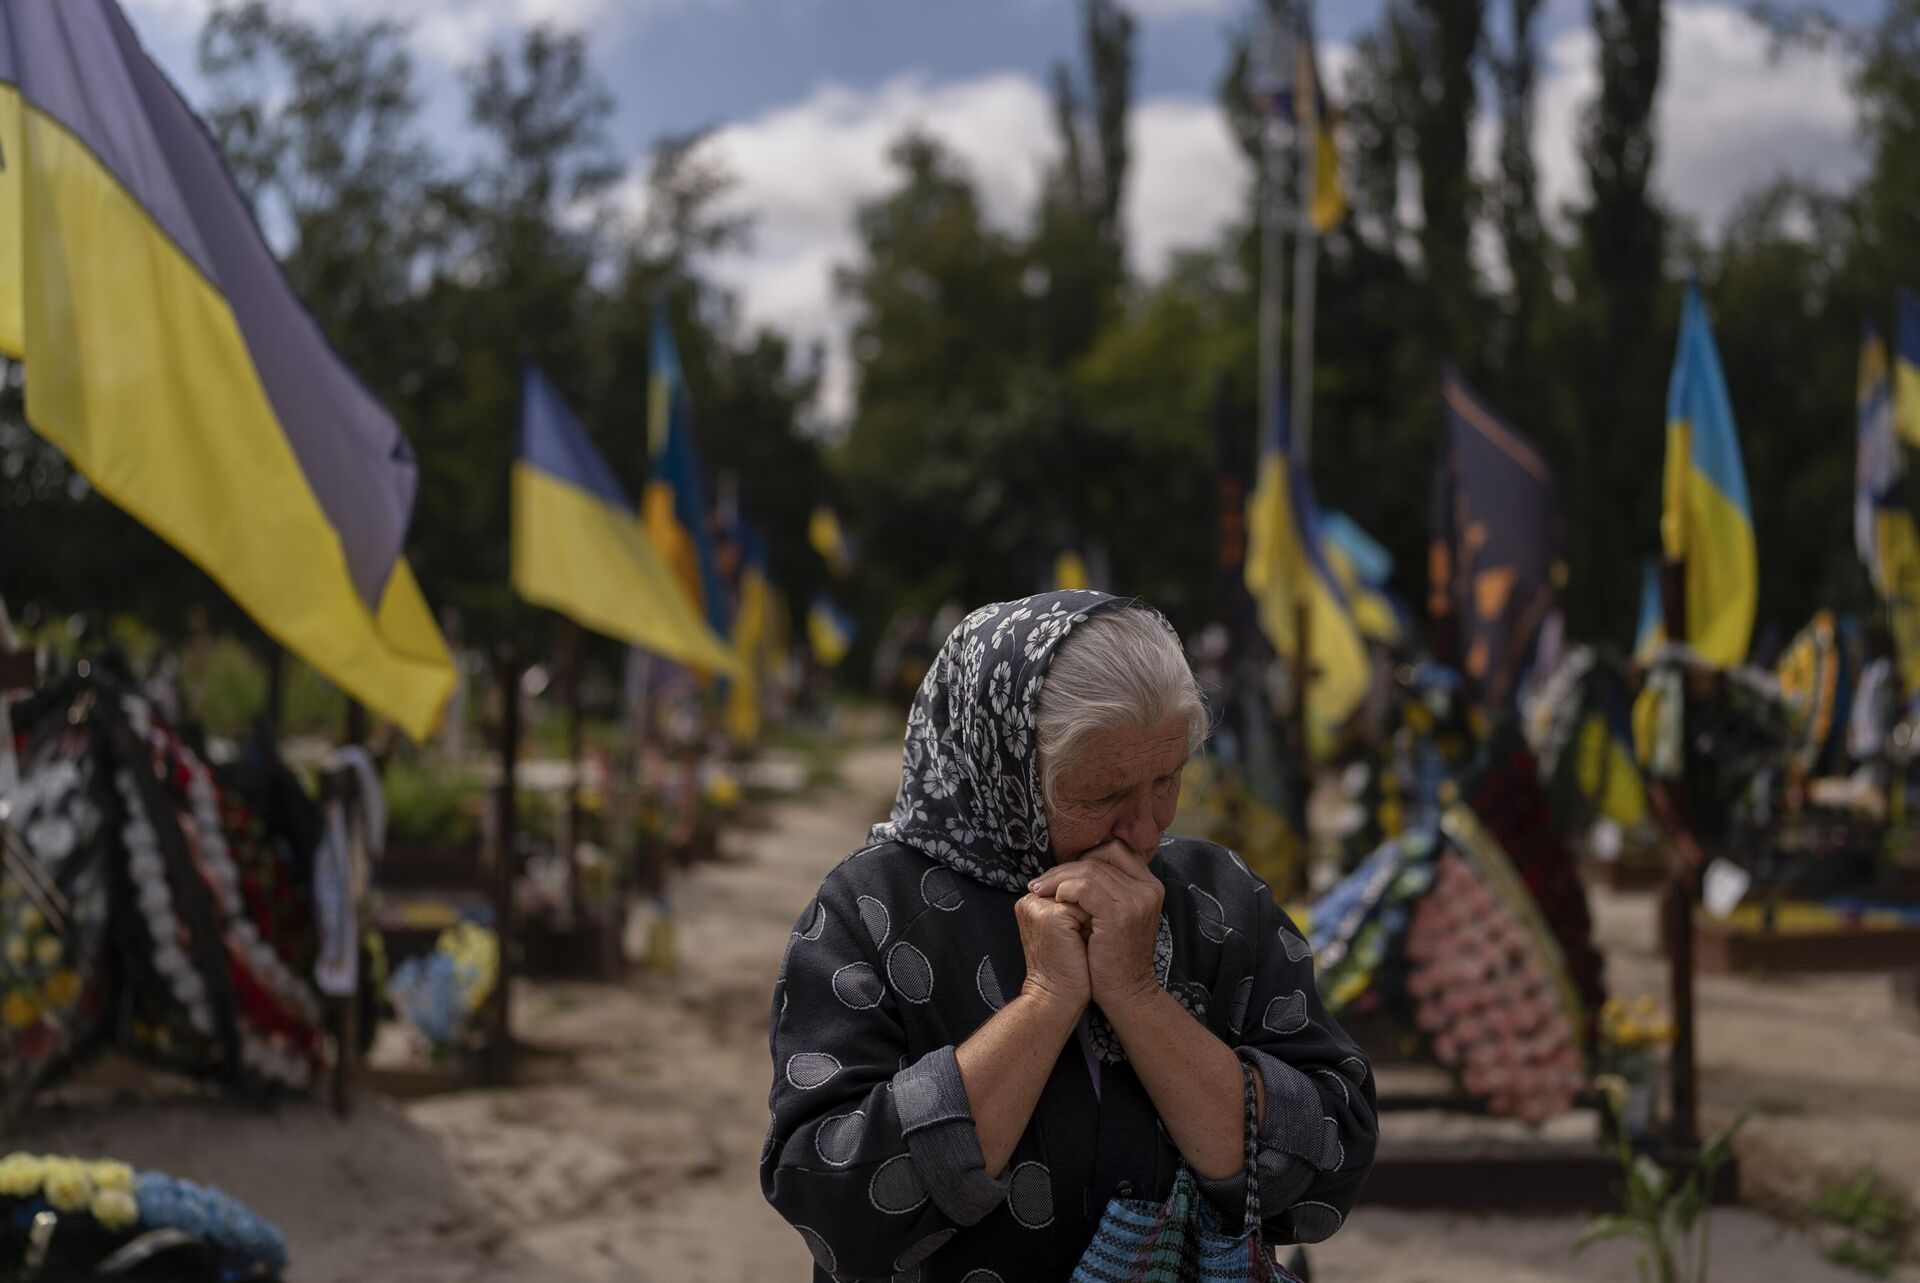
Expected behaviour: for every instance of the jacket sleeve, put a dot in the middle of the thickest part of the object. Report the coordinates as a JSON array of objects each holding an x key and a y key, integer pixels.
[
  {"x": 872, "y": 1153},
  {"x": 1319, "y": 1127}
]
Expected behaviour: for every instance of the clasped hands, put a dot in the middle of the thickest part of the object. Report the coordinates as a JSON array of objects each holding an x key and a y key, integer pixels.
[{"x": 1088, "y": 927}]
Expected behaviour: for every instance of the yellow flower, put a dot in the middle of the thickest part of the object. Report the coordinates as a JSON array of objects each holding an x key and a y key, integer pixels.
[
  {"x": 62, "y": 988},
  {"x": 68, "y": 1188},
  {"x": 46, "y": 951},
  {"x": 1643, "y": 1006},
  {"x": 20, "y": 1009},
  {"x": 110, "y": 1175},
  {"x": 17, "y": 951},
  {"x": 30, "y": 919},
  {"x": 20, "y": 1175},
  {"x": 116, "y": 1209},
  {"x": 1612, "y": 1010}
]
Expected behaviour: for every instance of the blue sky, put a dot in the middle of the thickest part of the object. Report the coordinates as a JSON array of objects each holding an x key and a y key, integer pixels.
[{"x": 805, "y": 95}]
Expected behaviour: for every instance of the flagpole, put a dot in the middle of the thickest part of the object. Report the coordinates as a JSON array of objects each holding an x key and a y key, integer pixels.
[
  {"x": 499, "y": 1064},
  {"x": 1272, "y": 229},
  {"x": 1306, "y": 255}
]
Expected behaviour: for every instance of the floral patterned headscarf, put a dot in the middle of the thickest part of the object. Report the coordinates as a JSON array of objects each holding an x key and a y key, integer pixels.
[{"x": 969, "y": 789}]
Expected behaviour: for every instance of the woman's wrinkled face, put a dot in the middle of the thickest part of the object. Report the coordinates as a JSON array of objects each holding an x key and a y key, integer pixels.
[{"x": 1121, "y": 785}]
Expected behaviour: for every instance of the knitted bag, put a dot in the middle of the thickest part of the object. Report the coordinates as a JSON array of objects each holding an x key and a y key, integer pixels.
[{"x": 1184, "y": 1240}]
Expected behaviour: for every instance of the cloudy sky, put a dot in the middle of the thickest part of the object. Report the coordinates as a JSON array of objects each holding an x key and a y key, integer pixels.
[{"x": 805, "y": 96}]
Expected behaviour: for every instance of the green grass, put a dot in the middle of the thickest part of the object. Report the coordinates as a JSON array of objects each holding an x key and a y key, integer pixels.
[
  {"x": 1872, "y": 1219},
  {"x": 430, "y": 804}
]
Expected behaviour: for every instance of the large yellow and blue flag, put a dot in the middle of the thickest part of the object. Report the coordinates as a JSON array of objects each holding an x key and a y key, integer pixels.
[
  {"x": 173, "y": 365},
  {"x": 1883, "y": 526},
  {"x": 1498, "y": 559},
  {"x": 1906, "y": 369},
  {"x": 578, "y": 547},
  {"x": 1706, "y": 522},
  {"x": 677, "y": 511},
  {"x": 1287, "y": 569},
  {"x": 830, "y": 632},
  {"x": 752, "y": 610}
]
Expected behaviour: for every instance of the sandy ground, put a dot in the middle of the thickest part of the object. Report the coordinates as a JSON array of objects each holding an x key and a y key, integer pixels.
[{"x": 632, "y": 1153}]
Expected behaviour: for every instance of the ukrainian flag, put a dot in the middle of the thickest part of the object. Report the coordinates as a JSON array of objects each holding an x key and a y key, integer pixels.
[
  {"x": 824, "y": 532},
  {"x": 1316, "y": 119},
  {"x": 1362, "y": 566},
  {"x": 1293, "y": 92},
  {"x": 1906, "y": 369},
  {"x": 1707, "y": 519},
  {"x": 1286, "y": 567},
  {"x": 172, "y": 364},
  {"x": 1884, "y": 529},
  {"x": 751, "y": 618},
  {"x": 830, "y": 632},
  {"x": 677, "y": 514},
  {"x": 578, "y": 547},
  {"x": 1652, "y": 632}
]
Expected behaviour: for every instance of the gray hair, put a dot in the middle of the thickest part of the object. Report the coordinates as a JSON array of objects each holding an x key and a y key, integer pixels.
[{"x": 1121, "y": 667}]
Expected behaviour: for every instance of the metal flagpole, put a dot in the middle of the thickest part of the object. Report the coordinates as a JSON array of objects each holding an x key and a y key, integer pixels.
[
  {"x": 1274, "y": 81},
  {"x": 1306, "y": 253}
]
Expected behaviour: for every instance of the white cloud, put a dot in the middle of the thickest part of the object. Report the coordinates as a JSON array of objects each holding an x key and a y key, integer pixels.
[
  {"x": 805, "y": 169},
  {"x": 454, "y": 31},
  {"x": 1188, "y": 179},
  {"x": 1152, "y": 9},
  {"x": 1731, "y": 117}
]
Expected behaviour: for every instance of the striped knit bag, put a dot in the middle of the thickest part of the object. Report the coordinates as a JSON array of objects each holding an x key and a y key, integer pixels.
[{"x": 1183, "y": 1240}]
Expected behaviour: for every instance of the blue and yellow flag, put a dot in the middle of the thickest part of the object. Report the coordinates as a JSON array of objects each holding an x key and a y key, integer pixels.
[
  {"x": 1362, "y": 567},
  {"x": 1883, "y": 526},
  {"x": 173, "y": 365},
  {"x": 1298, "y": 96},
  {"x": 830, "y": 540},
  {"x": 1706, "y": 522},
  {"x": 1651, "y": 633},
  {"x": 752, "y": 612},
  {"x": 1498, "y": 560},
  {"x": 830, "y": 632},
  {"x": 677, "y": 511},
  {"x": 1316, "y": 119},
  {"x": 1906, "y": 369},
  {"x": 1287, "y": 568},
  {"x": 578, "y": 547}
]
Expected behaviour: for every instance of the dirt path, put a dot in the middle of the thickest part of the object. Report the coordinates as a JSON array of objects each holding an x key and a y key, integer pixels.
[{"x": 642, "y": 1164}]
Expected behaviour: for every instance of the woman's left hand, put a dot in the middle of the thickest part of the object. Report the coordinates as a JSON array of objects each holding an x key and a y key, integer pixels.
[{"x": 1115, "y": 888}]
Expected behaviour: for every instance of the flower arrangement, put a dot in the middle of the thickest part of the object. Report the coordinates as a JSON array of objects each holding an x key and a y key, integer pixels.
[
  {"x": 1631, "y": 1037},
  {"x": 276, "y": 1012},
  {"x": 438, "y": 995},
  {"x": 109, "y": 1198},
  {"x": 53, "y": 918}
]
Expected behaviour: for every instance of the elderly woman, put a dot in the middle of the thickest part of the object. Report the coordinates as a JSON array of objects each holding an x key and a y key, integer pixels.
[{"x": 1023, "y": 1000}]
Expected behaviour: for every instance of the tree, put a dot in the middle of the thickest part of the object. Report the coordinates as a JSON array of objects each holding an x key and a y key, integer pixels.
[
  {"x": 1622, "y": 238},
  {"x": 1888, "y": 90},
  {"x": 519, "y": 289},
  {"x": 1522, "y": 236},
  {"x": 1441, "y": 43},
  {"x": 1079, "y": 245},
  {"x": 320, "y": 127}
]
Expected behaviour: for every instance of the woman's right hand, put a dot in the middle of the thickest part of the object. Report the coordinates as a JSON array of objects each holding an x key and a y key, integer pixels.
[{"x": 1053, "y": 936}]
